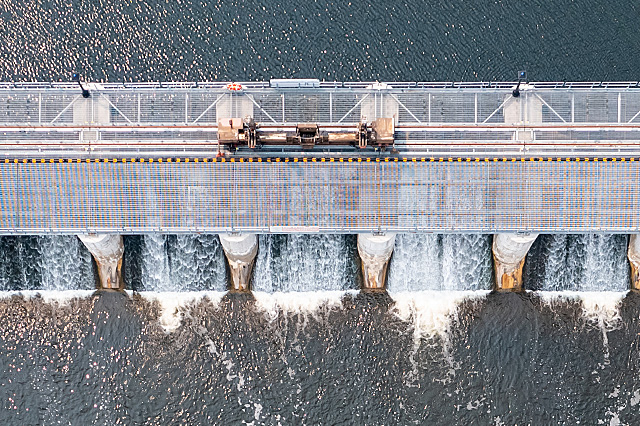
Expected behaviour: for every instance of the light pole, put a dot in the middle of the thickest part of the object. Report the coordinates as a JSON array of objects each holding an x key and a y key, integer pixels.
[
  {"x": 522, "y": 75},
  {"x": 76, "y": 77}
]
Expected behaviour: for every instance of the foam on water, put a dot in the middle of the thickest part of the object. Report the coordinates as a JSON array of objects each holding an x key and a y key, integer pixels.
[
  {"x": 276, "y": 304},
  {"x": 431, "y": 312},
  {"x": 49, "y": 296},
  {"x": 173, "y": 304},
  {"x": 600, "y": 309}
]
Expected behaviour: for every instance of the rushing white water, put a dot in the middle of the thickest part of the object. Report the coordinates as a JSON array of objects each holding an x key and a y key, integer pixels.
[
  {"x": 592, "y": 262},
  {"x": 431, "y": 312},
  {"x": 313, "y": 262},
  {"x": 182, "y": 263},
  {"x": 60, "y": 297},
  {"x": 155, "y": 263},
  {"x": 601, "y": 309},
  {"x": 292, "y": 263},
  {"x": 65, "y": 264},
  {"x": 45, "y": 263},
  {"x": 173, "y": 305},
  {"x": 275, "y": 304},
  {"x": 440, "y": 262},
  {"x": 430, "y": 315}
]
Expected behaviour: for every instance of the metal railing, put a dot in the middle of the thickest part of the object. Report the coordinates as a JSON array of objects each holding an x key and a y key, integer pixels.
[{"x": 52, "y": 119}]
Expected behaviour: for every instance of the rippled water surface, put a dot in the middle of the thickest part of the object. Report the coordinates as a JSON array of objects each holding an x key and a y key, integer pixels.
[
  {"x": 342, "y": 40},
  {"x": 314, "y": 359}
]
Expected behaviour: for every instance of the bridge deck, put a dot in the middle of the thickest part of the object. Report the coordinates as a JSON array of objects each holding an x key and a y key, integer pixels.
[
  {"x": 468, "y": 158},
  {"x": 431, "y": 119}
]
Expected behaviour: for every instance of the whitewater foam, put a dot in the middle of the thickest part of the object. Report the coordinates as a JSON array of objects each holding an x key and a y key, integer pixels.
[
  {"x": 274, "y": 304},
  {"x": 172, "y": 305},
  {"x": 600, "y": 310},
  {"x": 431, "y": 312},
  {"x": 50, "y": 296}
]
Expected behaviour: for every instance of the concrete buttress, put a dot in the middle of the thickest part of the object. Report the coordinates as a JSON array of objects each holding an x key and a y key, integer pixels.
[
  {"x": 107, "y": 251},
  {"x": 375, "y": 252},
  {"x": 634, "y": 260},
  {"x": 509, "y": 253},
  {"x": 241, "y": 251}
]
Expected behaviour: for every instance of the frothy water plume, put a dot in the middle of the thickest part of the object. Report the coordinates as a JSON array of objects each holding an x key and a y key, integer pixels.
[
  {"x": 289, "y": 263},
  {"x": 52, "y": 262},
  {"x": 181, "y": 263},
  {"x": 174, "y": 304},
  {"x": 591, "y": 262},
  {"x": 440, "y": 262},
  {"x": 600, "y": 310}
]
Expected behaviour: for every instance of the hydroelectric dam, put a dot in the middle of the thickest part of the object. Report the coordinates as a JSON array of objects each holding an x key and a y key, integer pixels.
[{"x": 238, "y": 159}]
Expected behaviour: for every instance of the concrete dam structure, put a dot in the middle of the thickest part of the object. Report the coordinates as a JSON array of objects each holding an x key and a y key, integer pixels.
[{"x": 304, "y": 156}]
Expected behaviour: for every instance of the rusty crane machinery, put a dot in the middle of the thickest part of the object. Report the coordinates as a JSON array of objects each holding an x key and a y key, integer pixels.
[{"x": 237, "y": 132}]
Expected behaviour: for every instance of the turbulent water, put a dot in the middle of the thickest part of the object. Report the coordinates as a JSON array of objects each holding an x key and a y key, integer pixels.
[
  {"x": 158, "y": 262},
  {"x": 440, "y": 262},
  {"x": 592, "y": 262},
  {"x": 306, "y": 263},
  {"x": 307, "y": 348},
  {"x": 429, "y": 359},
  {"x": 45, "y": 263}
]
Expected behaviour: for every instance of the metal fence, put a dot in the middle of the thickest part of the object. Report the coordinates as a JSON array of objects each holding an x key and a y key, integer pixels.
[
  {"x": 426, "y": 113},
  {"x": 319, "y": 196}
]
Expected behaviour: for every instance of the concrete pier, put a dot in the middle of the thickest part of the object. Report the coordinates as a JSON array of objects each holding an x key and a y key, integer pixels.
[
  {"x": 509, "y": 252},
  {"x": 379, "y": 104},
  {"x": 523, "y": 110},
  {"x": 107, "y": 251},
  {"x": 633, "y": 254},
  {"x": 89, "y": 111},
  {"x": 241, "y": 251},
  {"x": 375, "y": 252}
]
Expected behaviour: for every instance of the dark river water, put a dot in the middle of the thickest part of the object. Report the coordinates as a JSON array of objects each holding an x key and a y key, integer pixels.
[
  {"x": 507, "y": 359},
  {"x": 342, "y": 40},
  {"x": 438, "y": 349}
]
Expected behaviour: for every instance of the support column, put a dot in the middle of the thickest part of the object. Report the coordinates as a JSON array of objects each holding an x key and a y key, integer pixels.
[
  {"x": 379, "y": 104},
  {"x": 240, "y": 250},
  {"x": 509, "y": 253},
  {"x": 375, "y": 252},
  {"x": 634, "y": 260},
  {"x": 107, "y": 251},
  {"x": 523, "y": 110}
]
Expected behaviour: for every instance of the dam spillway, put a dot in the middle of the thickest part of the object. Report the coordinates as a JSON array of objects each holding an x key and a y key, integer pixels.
[{"x": 303, "y": 156}]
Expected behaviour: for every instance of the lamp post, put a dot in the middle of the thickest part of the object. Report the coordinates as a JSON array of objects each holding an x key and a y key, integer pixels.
[
  {"x": 522, "y": 75},
  {"x": 76, "y": 77}
]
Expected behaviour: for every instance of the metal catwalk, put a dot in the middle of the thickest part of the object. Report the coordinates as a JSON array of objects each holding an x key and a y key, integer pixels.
[{"x": 463, "y": 157}]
